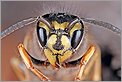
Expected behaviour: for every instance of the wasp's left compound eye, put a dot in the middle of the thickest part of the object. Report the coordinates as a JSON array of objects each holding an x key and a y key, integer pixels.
[
  {"x": 42, "y": 35},
  {"x": 76, "y": 38}
]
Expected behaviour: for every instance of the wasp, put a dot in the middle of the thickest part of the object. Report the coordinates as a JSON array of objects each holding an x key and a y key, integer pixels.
[{"x": 58, "y": 48}]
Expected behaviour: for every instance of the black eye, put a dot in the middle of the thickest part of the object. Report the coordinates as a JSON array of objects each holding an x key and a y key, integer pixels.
[
  {"x": 42, "y": 35},
  {"x": 76, "y": 38}
]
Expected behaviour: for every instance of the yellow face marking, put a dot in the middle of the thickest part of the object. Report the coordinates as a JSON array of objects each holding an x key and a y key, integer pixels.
[
  {"x": 60, "y": 26},
  {"x": 65, "y": 42},
  {"x": 50, "y": 57},
  {"x": 65, "y": 56},
  {"x": 41, "y": 24},
  {"x": 77, "y": 26}
]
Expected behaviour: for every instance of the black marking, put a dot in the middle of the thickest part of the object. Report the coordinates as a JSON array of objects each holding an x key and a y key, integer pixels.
[
  {"x": 57, "y": 54},
  {"x": 57, "y": 62},
  {"x": 58, "y": 45},
  {"x": 59, "y": 17}
]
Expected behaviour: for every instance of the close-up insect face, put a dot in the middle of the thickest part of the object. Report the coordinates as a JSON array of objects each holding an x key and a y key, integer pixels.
[
  {"x": 61, "y": 40},
  {"x": 59, "y": 34}
]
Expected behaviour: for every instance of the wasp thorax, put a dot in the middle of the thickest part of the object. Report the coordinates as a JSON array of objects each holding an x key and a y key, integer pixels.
[{"x": 59, "y": 34}]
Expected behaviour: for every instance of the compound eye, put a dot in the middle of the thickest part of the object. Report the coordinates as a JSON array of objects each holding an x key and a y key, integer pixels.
[
  {"x": 42, "y": 35},
  {"x": 76, "y": 38}
]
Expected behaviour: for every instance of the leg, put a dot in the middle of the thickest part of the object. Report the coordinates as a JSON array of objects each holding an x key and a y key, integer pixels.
[
  {"x": 97, "y": 66},
  {"x": 29, "y": 63},
  {"x": 84, "y": 61}
]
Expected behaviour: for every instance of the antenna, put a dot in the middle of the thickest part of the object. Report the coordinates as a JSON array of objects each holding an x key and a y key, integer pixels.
[
  {"x": 28, "y": 21},
  {"x": 103, "y": 24},
  {"x": 17, "y": 26}
]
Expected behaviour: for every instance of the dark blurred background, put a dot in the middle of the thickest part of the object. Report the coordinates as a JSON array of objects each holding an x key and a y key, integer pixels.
[{"x": 108, "y": 11}]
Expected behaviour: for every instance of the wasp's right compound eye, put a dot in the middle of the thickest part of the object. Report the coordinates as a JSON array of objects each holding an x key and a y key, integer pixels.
[{"x": 42, "y": 35}]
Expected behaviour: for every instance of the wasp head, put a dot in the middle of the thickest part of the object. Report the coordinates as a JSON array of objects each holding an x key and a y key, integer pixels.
[{"x": 59, "y": 34}]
